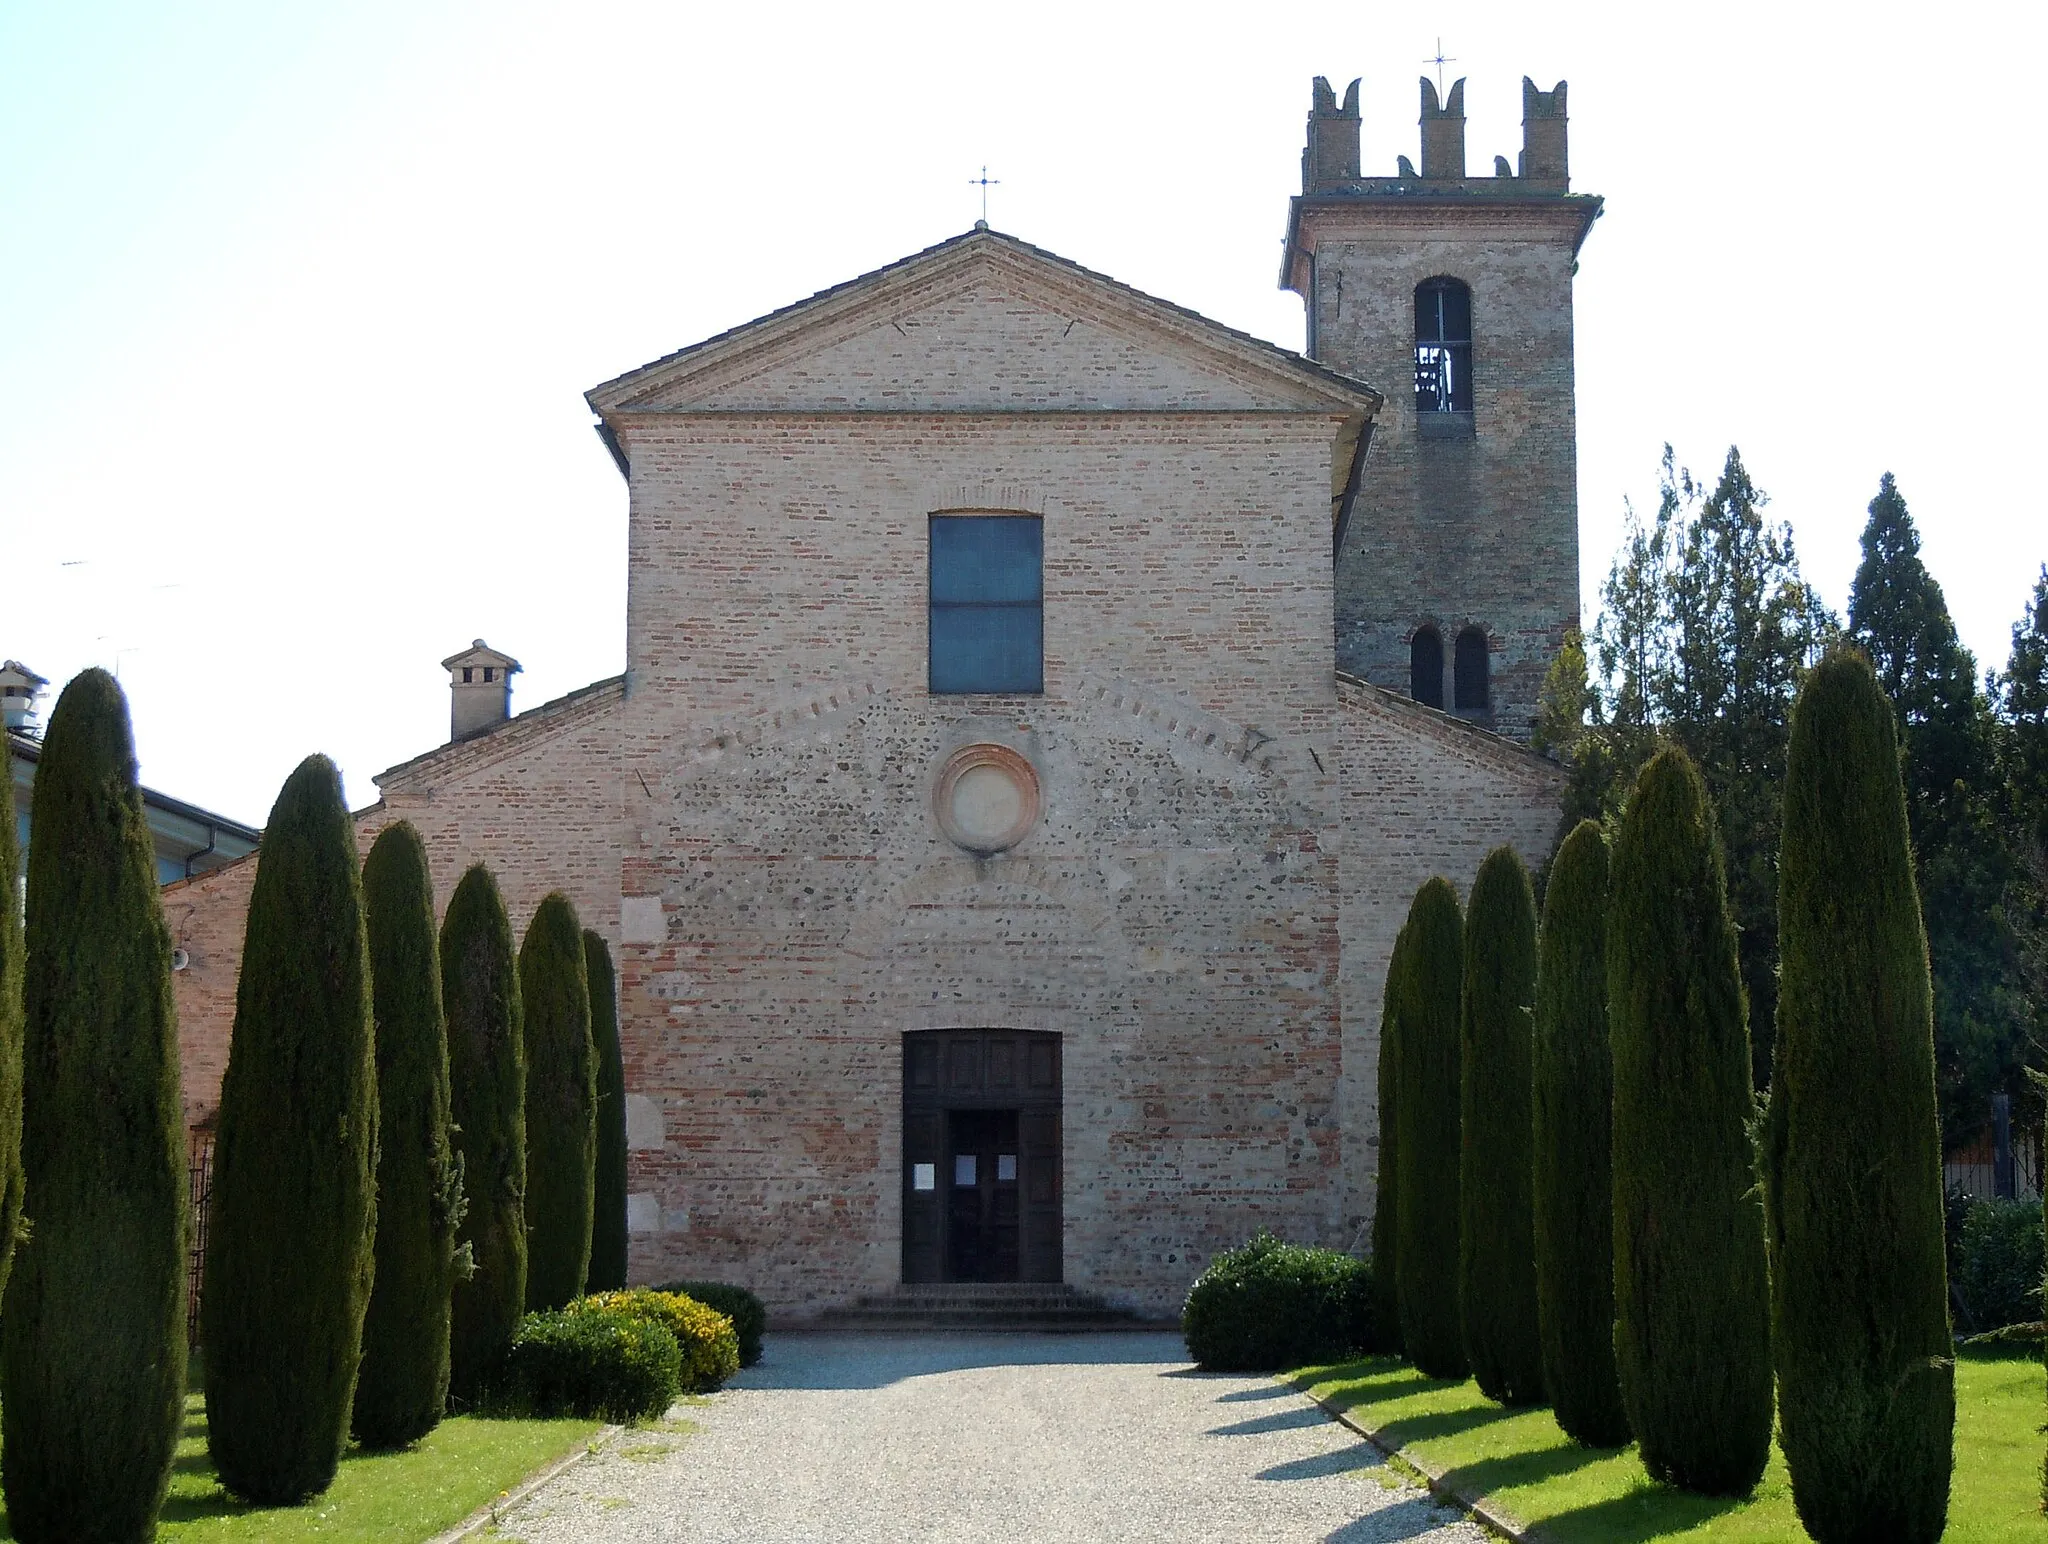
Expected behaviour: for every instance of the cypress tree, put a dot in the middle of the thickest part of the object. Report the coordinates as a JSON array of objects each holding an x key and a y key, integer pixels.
[
  {"x": 12, "y": 946},
  {"x": 1692, "y": 1302},
  {"x": 1859, "y": 1290},
  {"x": 1496, "y": 1241},
  {"x": 1386, "y": 1186},
  {"x": 561, "y": 1105},
  {"x": 608, "y": 1219},
  {"x": 402, "y": 1389},
  {"x": 487, "y": 1095},
  {"x": 92, "y": 1342},
  {"x": 1426, "y": 1116},
  {"x": 1572, "y": 1179},
  {"x": 289, "y": 1249}
]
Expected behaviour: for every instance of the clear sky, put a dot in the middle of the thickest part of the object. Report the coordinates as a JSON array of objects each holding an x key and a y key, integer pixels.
[{"x": 300, "y": 301}]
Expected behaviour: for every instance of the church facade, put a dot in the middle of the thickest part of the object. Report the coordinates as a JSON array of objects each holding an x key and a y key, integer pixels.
[{"x": 1040, "y": 705}]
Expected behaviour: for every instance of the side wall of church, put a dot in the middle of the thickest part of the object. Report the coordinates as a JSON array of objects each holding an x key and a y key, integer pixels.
[
  {"x": 538, "y": 802},
  {"x": 793, "y": 908},
  {"x": 1424, "y": 794},
  {"x": 1474, "y": 530}
]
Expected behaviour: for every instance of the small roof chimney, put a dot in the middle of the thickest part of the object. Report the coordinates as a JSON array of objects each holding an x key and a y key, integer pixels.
[
  {"x": 19, "y": 688},
  {"x": 479, "y": 689}
]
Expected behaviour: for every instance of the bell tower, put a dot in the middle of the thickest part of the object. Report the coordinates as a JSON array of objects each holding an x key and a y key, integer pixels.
[{"x": 1458, "y": 548}]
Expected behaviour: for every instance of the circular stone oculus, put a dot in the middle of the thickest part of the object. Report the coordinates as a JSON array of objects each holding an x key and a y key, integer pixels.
[{"x": 987, "y": 798}]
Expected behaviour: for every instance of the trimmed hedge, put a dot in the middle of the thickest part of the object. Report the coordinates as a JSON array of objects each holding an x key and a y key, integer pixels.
[
  {"x": 710, "y": 1345},
  {"x": 608, "y": 1215},
  {"x": 487, "y": 1097},
  {"x": 92, "y": 1342},
  {"x": 1860, "y": 1332},
  {"x": 1268, "y": 1305},
  {"x": 1692, "y": 1334},
  {"x": 748, "y": 1313},
  {"x": 12, "y": 950},
  {"x": 561, "y": 1105},
  {"x": 294, "y": 1210},
  {"x": 402, "y": 1389},
  {"x": 584, "y": 1362},
  {"x": 1496, "y": 1239},
  {"x": 1386, "y": 1177},
  {"x": 1572, "y": 1178},
  {"x": 1426, "y": 1106},
  {"x": 1998, "y": 1264}
]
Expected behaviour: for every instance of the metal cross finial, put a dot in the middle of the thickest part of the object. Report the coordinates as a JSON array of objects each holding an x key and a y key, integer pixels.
[
  {"x": 984, "y": 182},
  {"x": 1440, "y": 60}
]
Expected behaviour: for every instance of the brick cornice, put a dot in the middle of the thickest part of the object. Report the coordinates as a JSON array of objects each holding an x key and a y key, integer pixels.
[{"x": 1448, "y": 730}]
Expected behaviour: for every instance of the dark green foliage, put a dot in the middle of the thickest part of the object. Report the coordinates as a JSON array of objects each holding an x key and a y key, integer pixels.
[
  {"x": 289, "y": 1243},
  {"x": 402, "y": 1389},
  {"x": 12, "y": 946},
  {"x": 1496, "y": 1242},
  {"x": 561, "y": 1105},
  {"x": 1949, "y": 739},
  {"x": 1386, "y": 1183},
  {"x": 92, "y": 1342},
  {"x": 1706, "y": 627},
  {"x": 1572, "y": 1180},
  {"x": 1692, "y": 1299},
  {"x": 608, "y": 1214},
  {"x": 1426, "y": 1105},
  {"x": 589, "y": 1363},
  {"x": 748, "y": 1314},
  {"x": 1268, "y": 1305},
  {"x": 1998, "y": 1265},
  {"x": 1852, "y": 1139},
  {"x": 487, "y": 1097}
]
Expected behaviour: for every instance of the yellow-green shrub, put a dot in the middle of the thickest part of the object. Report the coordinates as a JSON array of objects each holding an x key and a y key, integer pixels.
[{"x": 710, "y": 1344}]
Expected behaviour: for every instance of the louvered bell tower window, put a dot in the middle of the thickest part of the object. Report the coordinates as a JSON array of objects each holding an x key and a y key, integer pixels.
[{"x": 987, "y": 629}]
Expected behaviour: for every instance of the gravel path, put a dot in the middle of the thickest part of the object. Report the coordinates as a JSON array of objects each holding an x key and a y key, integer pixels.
[{"x": 845, "y": 1439}]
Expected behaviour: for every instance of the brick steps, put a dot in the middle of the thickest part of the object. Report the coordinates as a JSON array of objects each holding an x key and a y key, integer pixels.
[{"x": 994, "y": 1306}]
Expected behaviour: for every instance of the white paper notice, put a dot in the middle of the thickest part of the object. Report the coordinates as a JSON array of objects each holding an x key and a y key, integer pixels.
[{"x": 924, "y": 1176}]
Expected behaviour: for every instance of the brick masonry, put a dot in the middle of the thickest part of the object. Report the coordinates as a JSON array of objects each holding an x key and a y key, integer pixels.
[{"x": 1228, "y": 836}]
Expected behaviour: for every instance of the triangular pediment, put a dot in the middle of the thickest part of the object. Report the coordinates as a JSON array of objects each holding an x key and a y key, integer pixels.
[{"x": 983, "y": 323}]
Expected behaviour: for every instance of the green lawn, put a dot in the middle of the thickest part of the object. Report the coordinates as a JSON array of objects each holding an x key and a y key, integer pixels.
[
  {"x": 389, "y": 1498},
  {"x": 1530, "y": 1471}
]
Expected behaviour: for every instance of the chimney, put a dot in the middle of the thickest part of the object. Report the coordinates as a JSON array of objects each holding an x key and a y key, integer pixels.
[
  {"x": 479, "y": 689},
  {"x": 1332, "y": 154},
  {"x": 1543, "y": 137},
  {"x": 19, "y": 688},
  {"x": 1443, "y": 133}
]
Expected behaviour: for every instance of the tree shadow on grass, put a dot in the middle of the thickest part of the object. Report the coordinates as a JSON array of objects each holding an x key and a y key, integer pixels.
[
  {"x": 1441, "y": 1423},
  {"x": 1391, "y": 1381},
  {"x": 1484, "y": 1476},
  {"x": 1645, "y": 1513},
  {"x": 214, "y": 1503}
]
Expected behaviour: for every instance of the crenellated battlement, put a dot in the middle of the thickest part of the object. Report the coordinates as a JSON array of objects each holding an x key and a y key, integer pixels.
[{"x": 1330, "y": 163}]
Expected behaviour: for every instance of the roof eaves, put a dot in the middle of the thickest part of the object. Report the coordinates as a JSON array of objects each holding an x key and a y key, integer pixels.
[
  {"x": 1448, "y": 725},
  {"x": 532, "y": 718}
]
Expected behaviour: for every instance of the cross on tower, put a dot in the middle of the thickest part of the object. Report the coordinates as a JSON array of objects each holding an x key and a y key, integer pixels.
[
  {"x": 1440, "y": 60},
  {"x": 984, "y": 182}
]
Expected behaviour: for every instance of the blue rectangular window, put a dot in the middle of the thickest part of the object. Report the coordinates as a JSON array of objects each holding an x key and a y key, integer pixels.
[{"x": 987, "y": 603}]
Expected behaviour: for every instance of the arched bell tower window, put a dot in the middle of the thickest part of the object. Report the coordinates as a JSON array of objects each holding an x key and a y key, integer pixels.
[
  {"x": 1443, "y": 354},
  {"x": 1469, "y": 671},
  {"x": 1426, "y": 667}
]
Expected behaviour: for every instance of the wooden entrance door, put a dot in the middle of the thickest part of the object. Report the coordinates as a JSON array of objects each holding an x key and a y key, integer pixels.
[{"x": 981, "y": 1155}]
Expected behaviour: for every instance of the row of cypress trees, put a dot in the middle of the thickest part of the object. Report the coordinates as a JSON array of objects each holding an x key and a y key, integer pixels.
[
  {"x": 346, "y": 1258},
  {"x": 1598, "y": 1088}
]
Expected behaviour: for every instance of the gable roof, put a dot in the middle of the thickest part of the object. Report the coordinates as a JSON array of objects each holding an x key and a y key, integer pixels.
[{"x": 692, "y": 376}]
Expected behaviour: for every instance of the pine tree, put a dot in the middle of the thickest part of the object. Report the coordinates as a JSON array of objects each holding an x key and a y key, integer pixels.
[
  {"x": 561, "y": 1105},
  {"x": 1426, "y": 1103},
  {"x": 12, "y": 947},
  {"x": 1859, "y": 1291},
  {"x": 402, "y": 1389},
  {"x": 1386, "y": 1181},
  {"x": 608, "y": 1219},
  {"x": 289, "y": 1250},
  {"x": 1572, "y": 1179},
  {"x": 1692, "y": 1306},
  {"x": 92, "y": 1342},
  {"x": 487, "y": 1097},
  {"x": 1497, "y": 1245},
  {"x": 1963, "y": 864}
]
